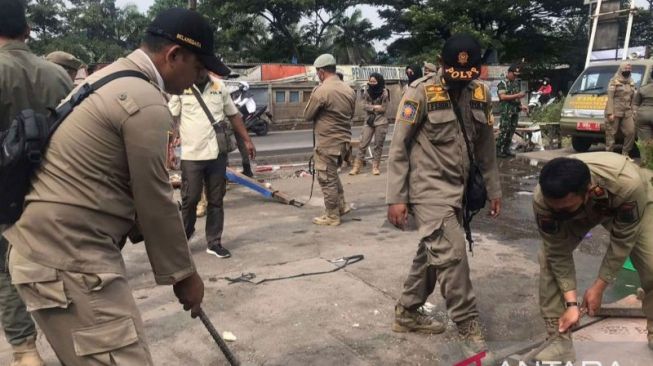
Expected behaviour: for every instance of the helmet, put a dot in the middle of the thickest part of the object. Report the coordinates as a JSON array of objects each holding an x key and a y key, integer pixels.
[{"x": 243, "y": 85}]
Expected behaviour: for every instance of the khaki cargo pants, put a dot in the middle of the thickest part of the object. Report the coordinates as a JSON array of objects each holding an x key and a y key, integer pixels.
[
  {"x": 441, "y": 256},
  {"x": 645, "y": 134},
  {"x": 551, "y": 297},
  {"x": 89, "y": 319},
  {"x": 327, "y": 161},
  {"x": 378, "y": 133},
  {"x": 627, "y": 127}
]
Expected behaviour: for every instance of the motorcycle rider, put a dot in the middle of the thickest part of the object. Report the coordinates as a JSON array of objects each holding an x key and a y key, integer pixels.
[
  {"x": 246, "y": 105},
  {"x": 545, "y": 91},
  {"x": 243, "y": 100}
]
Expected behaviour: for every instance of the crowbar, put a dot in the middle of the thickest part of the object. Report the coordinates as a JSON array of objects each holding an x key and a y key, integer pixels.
[{"x": 233, "y": 361}]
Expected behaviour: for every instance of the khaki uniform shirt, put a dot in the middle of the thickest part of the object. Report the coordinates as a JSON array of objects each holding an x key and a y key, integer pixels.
[
  {"x": 620, "y": 97},
  {"x": 617, "y": 201},
  {"x": 382, "y": 101},
  {"x": 644, "y": 98},
  {"x": 28, "y": 81},
  {"x": 198, "y": 140},
  {"x": 104, "y": 165},
  {"x": 435, "y": 169},
  {"x": 331, "y": 108}
]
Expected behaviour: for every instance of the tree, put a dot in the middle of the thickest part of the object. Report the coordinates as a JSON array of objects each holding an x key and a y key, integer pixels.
[
  {"x": 280, "y": 30},
  {"x": 353, "y": 41},
  {"x": 45, "y": 18},
  {"x": 92, "y": 30},
  {"x": 516, "y": 29}
]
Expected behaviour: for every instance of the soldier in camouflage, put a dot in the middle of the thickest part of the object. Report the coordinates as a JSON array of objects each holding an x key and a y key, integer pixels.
[{"x": 510, "y": 97}]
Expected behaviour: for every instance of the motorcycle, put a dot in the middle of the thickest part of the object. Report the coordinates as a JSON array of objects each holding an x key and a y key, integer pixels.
[
  {"x": 256, "y": 123},
  {"x": 252, "y": 115},
  {"x": 535, "y": 102}
]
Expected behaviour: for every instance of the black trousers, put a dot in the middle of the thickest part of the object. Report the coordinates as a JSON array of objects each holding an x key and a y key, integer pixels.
[{"x": 196, "y": 174}]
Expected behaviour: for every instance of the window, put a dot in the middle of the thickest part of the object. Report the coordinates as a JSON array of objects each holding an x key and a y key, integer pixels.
[
  {"x": 294, "y": 97},
  {"x": 594, "y": 80},
  {"x": 307, "y": 96},
  {"x": 280, "y": 97}
]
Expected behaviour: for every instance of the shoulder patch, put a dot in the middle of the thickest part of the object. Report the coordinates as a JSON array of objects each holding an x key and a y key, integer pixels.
[
  {"x": 628, "y": 213},
  {"x": 408, "y": 111},
  {"x": 128, "y": 104},
  {"x": 436, "y": 98},
  {"x": 479, "y": 93},
  {"x": 548, "y": 224}
]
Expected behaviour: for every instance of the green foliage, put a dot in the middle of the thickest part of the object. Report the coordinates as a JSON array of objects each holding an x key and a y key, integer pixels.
[
  {"x": 539, "y": 33},
  {"x": 549, "y": 113},
  {"x": 92, "y": 30},
  {"x": 646, "y": 152}
]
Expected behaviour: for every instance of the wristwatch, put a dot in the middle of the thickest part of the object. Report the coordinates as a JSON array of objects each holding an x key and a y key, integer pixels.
[{"x": 569, "y": 304}]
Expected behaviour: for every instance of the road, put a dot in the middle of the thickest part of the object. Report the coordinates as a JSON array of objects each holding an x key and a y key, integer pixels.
[{"x": 284, "y": 146}]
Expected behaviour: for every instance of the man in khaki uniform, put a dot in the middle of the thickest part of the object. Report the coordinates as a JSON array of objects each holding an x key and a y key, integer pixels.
[
  {"x": 69, "y": 62},
  {"x": 105, "y": 165},
  {"x": 26, "y": 81},
  {"x": 573, "y": 196},
  {"x": 619, "y": 109},
  {"x": 427, "y": 169},
  {"x": 331, "y": 108}
]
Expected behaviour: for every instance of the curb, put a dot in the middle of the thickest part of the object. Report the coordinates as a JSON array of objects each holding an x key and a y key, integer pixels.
[{"x": 272, "y": 168}]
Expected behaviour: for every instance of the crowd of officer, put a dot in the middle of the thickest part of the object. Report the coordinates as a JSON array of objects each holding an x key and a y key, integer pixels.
[{"x": 104, "y": 178}]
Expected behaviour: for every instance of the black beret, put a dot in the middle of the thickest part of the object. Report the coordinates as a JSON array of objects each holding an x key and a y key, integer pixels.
[{"x": 462, "y": 57}]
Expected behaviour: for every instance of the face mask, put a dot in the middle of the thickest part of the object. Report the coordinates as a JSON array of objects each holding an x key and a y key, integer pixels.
[
  {"x": 625, "y": 74},
  {"x": 564, "y": 216}
]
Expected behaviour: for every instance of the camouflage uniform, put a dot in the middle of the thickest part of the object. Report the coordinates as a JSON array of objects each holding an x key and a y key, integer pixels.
[{"x": 509, "y": 115}]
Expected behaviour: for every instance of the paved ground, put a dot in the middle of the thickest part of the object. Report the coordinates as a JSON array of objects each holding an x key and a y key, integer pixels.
[{"x": 344, "y": 318}]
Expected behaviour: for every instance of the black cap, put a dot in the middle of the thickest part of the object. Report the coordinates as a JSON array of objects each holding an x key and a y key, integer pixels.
[
  {"x": 461, "y": 56},
  {"x": 191, "y": 30},
  {"x": 514, "y": 69}
]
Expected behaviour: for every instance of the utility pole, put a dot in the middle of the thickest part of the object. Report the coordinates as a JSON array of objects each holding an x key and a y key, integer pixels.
[
  {"x": 629, "y": 28},
  {"x": 593, "y": 32}
]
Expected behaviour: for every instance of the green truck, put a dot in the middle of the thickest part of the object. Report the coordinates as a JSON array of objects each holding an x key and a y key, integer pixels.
[{"x": 583, "y": 111}]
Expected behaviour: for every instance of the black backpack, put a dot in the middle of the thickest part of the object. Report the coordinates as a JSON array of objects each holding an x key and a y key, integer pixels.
[{"x": 24, "y": 143}]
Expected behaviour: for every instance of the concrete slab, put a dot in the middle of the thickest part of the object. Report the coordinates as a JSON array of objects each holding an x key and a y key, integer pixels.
[{"x": 621, "y": 340}]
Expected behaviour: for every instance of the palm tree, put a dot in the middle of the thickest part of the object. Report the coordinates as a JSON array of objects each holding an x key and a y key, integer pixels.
[{"x": 352, "y": 39}]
